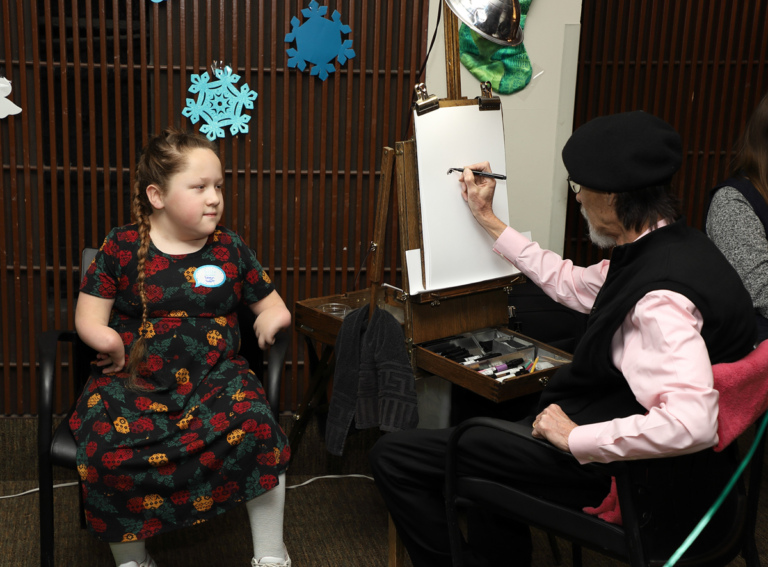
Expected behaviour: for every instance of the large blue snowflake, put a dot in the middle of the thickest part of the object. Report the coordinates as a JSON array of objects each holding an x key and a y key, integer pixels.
[
  {"x": 219, "y": 103},
  {"x": 318, "y": 41}
]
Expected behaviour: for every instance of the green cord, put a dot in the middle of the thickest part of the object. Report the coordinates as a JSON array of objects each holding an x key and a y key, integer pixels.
[{"x": 711, "y": 512}]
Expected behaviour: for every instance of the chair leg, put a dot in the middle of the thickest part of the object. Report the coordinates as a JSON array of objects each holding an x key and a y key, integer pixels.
[
  {"x": 83, "y": 524},
  {"x": 576, "y": 554},
  {"x": 750, "y": 554},
  {"x": 46, "y": 515},
  {"x": 556, "y": 555},
  {"x": 396, "y": 550}
]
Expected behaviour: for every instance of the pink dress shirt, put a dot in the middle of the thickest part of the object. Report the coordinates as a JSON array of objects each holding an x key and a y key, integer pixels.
[{"x": 658, "y": 348}]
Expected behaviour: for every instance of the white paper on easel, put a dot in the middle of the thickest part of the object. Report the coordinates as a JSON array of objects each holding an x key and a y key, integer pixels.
[
  {"x": 413, "y": 264},
  {"x": 457, "y": 250}
]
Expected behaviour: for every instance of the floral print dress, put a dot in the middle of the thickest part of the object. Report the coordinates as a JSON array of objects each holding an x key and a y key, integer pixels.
[{"x": 200, "y": 437}]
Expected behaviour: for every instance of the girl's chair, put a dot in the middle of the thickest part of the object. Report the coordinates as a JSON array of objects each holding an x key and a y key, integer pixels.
[{"x": 57, "y": 447}]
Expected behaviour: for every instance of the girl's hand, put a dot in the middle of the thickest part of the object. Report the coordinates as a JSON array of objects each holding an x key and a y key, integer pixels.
[
  {"x": 272, "y": 316},
  {"x": 111, "y": 361}
]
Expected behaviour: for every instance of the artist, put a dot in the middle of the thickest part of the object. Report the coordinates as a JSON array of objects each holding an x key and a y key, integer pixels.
[{"x": 663, "y": 310}]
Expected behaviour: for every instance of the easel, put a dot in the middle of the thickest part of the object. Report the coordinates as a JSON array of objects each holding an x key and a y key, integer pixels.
[{"x": 425, "y": 316}]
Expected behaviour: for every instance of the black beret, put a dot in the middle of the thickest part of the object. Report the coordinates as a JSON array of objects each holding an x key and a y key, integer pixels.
[{"x": 623, "y": 152}]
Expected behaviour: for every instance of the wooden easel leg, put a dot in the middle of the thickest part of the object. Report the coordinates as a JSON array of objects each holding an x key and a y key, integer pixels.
[{"x": 396, "y": 549}]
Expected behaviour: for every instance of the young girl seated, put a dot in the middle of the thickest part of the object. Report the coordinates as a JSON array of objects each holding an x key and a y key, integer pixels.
[{"x": 172, "y": 427}]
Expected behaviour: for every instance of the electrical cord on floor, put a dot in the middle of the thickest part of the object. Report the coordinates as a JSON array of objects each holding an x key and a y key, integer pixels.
[
  {"x": 330, "y": 476},
  {"x": 33, "y": 490}
]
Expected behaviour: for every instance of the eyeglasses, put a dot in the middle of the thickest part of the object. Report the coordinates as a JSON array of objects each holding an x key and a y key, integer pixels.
[{"x": 575, "y": 187}]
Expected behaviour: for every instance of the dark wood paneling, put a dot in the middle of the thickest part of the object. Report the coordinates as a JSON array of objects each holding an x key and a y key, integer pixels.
[{"x": 96, "y": 79}]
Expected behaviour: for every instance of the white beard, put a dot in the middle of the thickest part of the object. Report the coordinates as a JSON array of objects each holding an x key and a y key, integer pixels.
[{"x": 600, "y": 240}]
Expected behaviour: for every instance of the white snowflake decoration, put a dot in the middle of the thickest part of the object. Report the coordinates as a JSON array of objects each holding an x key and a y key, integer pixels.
[
  {"x": 318, "y": 41},
  {"x": 6, "y": 106},
  {"x": 219, "y": 103}
]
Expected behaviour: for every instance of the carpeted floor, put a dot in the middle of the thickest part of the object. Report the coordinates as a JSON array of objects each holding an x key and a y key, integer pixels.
[{"x": 336, "y": 522}]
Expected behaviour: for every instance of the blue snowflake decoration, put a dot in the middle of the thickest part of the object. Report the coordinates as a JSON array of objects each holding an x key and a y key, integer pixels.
[
  {"x": 219, "y": 103},
  {"x": 318, "y": 41}
]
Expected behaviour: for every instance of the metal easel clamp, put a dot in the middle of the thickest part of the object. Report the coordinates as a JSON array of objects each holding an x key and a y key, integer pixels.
[
  {"x": 487, "y": 99},
  {"x": 424, "y": 101}
]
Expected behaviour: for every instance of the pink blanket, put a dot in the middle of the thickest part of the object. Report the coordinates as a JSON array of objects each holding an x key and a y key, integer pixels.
[{"x": 743, "y": 387}]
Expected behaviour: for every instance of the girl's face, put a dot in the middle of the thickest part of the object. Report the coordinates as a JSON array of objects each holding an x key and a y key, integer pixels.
[{"x": 193, "y": 201}]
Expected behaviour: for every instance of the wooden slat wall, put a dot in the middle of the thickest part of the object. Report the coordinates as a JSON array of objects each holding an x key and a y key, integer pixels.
[
  {"x": 699, "y": 64},
  {"x": 95, "y": 79}
]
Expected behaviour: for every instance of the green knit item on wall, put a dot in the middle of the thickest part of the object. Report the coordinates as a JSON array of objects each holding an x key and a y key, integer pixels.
[{"x": 508, "y": 68}]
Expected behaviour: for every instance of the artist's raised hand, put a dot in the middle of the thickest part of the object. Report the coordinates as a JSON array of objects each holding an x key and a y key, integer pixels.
[
  {"x": 554, "y": 425},
  {"x": 478, "y": 193}
]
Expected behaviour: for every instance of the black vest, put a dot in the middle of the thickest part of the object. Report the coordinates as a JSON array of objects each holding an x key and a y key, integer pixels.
[
  {"x": 675, "y": 258},
  {"x": 755, "y": 198}
]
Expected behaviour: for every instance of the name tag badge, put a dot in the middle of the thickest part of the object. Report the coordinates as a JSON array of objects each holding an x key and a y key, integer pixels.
[{"x": 209, "y": 276}]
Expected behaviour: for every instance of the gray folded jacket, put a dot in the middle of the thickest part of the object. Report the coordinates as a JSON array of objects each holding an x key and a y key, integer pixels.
[{"x": 373, "y": 378}]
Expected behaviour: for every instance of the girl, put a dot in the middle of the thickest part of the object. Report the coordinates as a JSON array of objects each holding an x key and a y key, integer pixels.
[{"x": 172, "y": 427}]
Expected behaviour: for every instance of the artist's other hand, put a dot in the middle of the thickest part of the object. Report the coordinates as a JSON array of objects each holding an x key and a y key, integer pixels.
[
  {"x": 478, "y": 193},
  {"x": 553, "y": 425}
]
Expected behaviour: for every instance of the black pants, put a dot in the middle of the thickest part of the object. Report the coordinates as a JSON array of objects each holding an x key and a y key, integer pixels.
[{"x": 409, "y": 468}]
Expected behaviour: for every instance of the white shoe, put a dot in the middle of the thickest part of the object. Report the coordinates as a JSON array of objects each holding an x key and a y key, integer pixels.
[
  {"x": 272, "y": 561},
  {"x": 148, "y": 562}
]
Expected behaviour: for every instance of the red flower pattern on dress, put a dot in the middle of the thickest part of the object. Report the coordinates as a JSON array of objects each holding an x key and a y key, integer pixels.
[
  {"x": 97, "y": 524},
  {"x": 154, "y": 363},
  {"x": 136, "y": 504},
  {"x": 156, "y": 264},
  {"x": 102, "y": 427},
  {"x": 220, "y": 494},
  {"x": 128, "y": 236},
  {"x": 154, "y": 293},
  {"x": 121, "y": 482},
  {"x": 150, "y": 528},
  {"x": 219, "y": 422},
  {"x": 230, "y": 269},
  {"x": 263, "y": 431},
  {"x": 221, "y": 253},
  {"x": 142, "y": 424},
  {"x": 166, "y": 325},
  {"x": 180, "y": 497},
  {"x": 167, "y": 470}
]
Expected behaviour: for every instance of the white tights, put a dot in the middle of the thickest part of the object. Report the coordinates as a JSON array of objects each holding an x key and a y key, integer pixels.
[
  {"x": 126, "y": 552},
  {"x": 266, "y": 517},
  {"x": 265, "y": 513}
]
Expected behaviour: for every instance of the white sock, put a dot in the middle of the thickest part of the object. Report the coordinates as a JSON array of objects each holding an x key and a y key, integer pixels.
[
  {"x": 265, "y": 513},
  {"x": 128, "y": 551}
]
